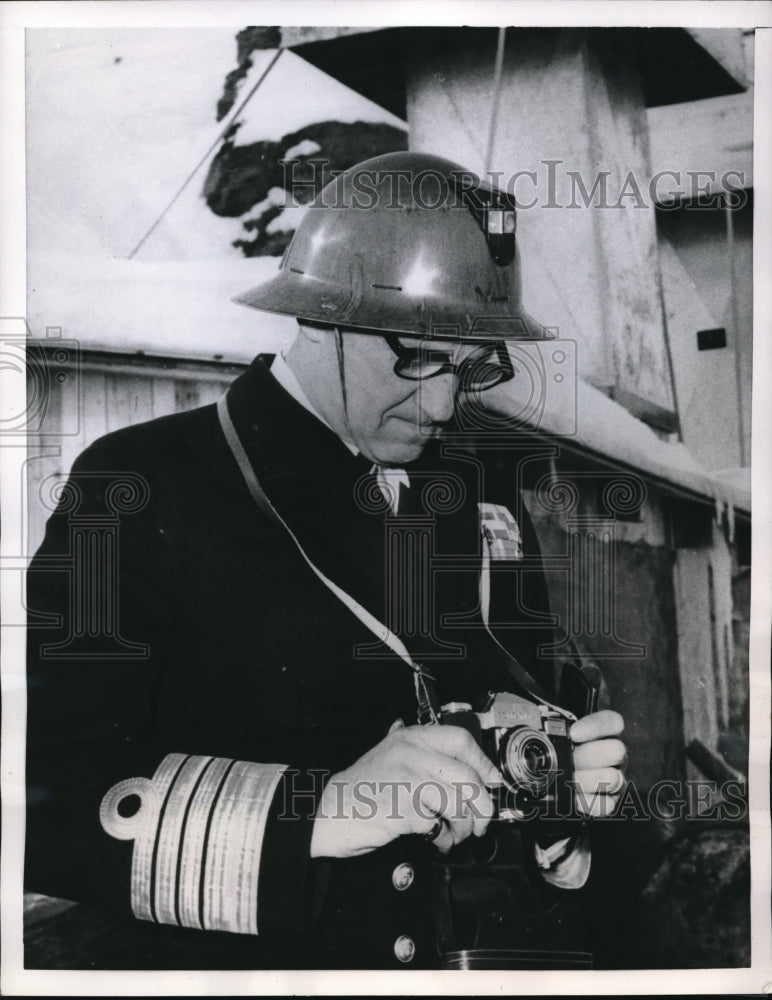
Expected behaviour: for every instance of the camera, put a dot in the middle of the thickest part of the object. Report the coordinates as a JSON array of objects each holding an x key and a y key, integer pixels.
[{"x": 530, "y": 745}]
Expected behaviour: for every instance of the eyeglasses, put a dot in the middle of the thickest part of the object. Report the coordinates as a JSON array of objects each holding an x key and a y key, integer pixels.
[{"x": 488, "y": 366}]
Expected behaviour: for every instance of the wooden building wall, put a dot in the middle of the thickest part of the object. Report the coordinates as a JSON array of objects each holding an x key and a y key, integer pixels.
[
  {"x": 673, "y": 647},
  {"x": 102, "y": 392},
  {"x": 707, "y": 285}
]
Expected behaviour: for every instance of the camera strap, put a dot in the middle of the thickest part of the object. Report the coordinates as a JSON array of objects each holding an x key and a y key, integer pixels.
[
  {"x": 517, "y": 670},
  {"x": 428, "y": 707}
]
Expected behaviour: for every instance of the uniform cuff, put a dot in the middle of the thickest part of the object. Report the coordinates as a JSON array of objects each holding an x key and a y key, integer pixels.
[
  {"x": 292, "y": 884},
  {"x": 219, "y": 844}
]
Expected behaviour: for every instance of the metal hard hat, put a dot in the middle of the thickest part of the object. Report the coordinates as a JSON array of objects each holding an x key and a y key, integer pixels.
[{"x": 406, "y": 243}]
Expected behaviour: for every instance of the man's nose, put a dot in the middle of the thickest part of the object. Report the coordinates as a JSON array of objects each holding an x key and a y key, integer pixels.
[{"x": 436, "y": 398}]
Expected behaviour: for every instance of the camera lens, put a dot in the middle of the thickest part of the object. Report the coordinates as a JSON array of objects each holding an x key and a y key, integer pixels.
[
  {"x": 528, "y": 759},
  {"x": 535, "y": 758}
]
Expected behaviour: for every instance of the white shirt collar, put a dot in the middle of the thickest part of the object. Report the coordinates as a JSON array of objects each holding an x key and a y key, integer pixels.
[{"x": 286, "y": 378}]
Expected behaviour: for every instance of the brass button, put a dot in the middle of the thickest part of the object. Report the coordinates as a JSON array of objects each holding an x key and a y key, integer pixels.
[
  {"x": 402, "y": 877},
  {"x": 404, "y": 948}
]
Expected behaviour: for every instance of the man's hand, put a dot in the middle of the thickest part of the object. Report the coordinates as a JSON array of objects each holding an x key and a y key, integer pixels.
[
  {"x": 599, "y": 760},
  {"x": 412, "y": 778}
]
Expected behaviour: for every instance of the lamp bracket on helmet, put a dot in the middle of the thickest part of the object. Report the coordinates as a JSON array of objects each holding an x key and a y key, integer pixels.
[{"x": 495, "y": 212}]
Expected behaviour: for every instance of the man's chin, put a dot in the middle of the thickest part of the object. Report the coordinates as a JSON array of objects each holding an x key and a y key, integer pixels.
[{"x": 398, "y": 454}]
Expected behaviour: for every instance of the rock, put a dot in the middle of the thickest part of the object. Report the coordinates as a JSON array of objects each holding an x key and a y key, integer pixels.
[{"x": 241, "y": 177}]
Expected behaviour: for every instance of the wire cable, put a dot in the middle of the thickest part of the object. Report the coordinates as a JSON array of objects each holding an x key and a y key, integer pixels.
[
  {"x": 208, "y": 153},
  {"x": 497, "y": 72}
]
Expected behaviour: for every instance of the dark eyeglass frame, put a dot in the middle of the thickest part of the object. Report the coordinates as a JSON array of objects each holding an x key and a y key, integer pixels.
[{"x": 467, "y": 373}]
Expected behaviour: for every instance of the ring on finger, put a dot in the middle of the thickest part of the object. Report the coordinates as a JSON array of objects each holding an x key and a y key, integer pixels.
[{"x": 436, "y": 830}]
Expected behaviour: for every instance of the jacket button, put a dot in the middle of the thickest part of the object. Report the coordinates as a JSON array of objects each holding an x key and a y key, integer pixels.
[
  {"x": 404, "y": 948},
  {"x": 402, "y": 877}
]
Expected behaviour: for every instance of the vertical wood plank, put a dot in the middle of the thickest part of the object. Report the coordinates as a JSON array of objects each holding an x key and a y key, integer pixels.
[
  {"x": 721, "y": 561},
  {"x": 186, "y": 394},
  {"x": 708, "y": 418},
  {"x": 209, "y": 391},
  {"x": 128, "y": 400},
  {"x": 163, "y": 396},
  {"x": 44, "y": 460},
  {"x": 695, "y": 652}
]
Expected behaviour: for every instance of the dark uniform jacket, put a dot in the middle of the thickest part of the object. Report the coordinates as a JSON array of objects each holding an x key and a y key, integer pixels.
[{"x": 178, "y": 637}]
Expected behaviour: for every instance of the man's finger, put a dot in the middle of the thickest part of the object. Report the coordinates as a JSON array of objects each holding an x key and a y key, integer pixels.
[
  {"x": 444, "y": 839},
  {"x": 439, "y": 800},
  {"x": 599, "y": 753},
  {"x": 597, "y": 726},
  {"x": 595, "y": 804},
  {"x": 456, "y": 742},
  {"x": 483, "y": 810},
  {"x": 459, "y": 785},
  {"x": 603, "y": 780}
]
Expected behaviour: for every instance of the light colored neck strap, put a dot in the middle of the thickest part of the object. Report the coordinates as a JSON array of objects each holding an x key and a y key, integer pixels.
[{"x": 427, "y": 701}]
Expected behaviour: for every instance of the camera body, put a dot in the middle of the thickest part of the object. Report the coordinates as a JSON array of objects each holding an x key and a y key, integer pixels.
[{"x": 531, "y": 746}]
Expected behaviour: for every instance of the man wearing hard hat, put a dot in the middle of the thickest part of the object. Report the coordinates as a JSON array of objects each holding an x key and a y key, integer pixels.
[{"x": 321, "y": 733}]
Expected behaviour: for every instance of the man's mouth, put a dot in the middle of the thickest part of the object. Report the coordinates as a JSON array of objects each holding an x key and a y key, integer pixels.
[{"x": 423, "y": 430}]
